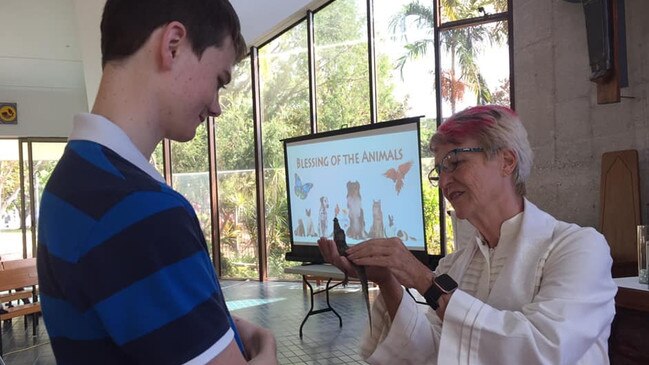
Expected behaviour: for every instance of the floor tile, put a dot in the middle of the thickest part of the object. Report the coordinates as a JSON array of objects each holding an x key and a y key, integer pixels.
[{"x": 280, "y": 306}]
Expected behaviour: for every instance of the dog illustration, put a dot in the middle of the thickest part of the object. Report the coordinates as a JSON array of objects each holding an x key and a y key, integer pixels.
[
  {"x": 310, "y": 230},
  {"x": 299, "y": 231},
  {"x": 378, "y": 229},
  {"x": 343, "y": 219},
  {"x": 356, "y": 228},
  {"x": 322, "y": 216}
]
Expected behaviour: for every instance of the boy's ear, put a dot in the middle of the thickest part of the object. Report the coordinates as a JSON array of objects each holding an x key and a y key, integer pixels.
[{"x": 173, "y": 36}]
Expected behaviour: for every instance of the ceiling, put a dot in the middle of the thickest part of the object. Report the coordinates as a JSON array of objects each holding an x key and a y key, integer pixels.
[{"x": 41, "y": 48}]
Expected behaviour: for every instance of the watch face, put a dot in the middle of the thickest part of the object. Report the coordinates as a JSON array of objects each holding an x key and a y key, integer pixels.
[{"x": 446, "y": 283}]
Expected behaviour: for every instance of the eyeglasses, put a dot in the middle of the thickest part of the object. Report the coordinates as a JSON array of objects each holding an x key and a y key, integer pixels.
[{"x": 449, "y": 163}]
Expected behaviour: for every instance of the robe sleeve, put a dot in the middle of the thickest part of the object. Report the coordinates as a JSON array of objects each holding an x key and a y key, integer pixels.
[{"x": 411, "y": 338}]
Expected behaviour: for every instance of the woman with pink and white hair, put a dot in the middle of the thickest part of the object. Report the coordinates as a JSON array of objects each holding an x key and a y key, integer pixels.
[{"x": 525, "y": 288}]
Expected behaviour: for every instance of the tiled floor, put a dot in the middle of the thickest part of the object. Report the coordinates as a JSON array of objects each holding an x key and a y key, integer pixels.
[{"x": 280, "y": 306}]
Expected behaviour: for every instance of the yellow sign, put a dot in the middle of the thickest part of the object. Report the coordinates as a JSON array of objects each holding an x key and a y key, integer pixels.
[{"x": 8, "y": 113}]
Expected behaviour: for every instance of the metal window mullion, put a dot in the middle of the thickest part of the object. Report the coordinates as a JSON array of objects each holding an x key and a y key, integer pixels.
[
  {"x": 32, "y": 201},
  {"x": 510, "y": 43},
  {"x": 371, "y": 62},
  {"x": 259, "y": 164},
  {"x": 313, "y": 103},
  {"x": 464, "y": 23},
  {"x": 166, "y": 160},
  {"x": 214, "y": 195},
  {"x": 438, "y": 104},
  {"x": 23, "y": 208}
]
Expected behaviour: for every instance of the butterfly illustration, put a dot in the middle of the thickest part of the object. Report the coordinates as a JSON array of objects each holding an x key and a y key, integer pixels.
[
  {"x": 302, "y": 190},
  {"x": 398, "y": 174}
]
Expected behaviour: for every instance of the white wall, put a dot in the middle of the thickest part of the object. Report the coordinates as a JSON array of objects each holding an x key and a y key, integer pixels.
[
  {"x": 40, "y": 66},
  {"x": 568, "y": 130}
]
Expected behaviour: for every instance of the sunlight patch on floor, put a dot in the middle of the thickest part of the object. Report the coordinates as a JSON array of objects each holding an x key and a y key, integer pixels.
[{"x": 247, "y": 303}]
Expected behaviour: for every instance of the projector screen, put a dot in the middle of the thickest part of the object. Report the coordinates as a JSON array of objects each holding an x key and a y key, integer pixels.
[{"x": 368, "y": 177}]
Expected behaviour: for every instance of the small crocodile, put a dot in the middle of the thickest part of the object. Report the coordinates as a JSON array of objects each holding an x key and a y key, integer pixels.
[{"x": 341, "y": 245}]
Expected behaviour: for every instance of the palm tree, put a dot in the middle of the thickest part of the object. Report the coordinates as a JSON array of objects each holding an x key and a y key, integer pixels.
[{"x": 462, "y": 44}]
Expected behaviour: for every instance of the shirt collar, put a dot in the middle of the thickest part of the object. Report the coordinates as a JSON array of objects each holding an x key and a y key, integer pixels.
[
  {"x": 508, "y": 230},
  {"x": 98, "y": 129}
]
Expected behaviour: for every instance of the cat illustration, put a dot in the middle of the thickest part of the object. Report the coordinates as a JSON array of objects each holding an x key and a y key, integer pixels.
[
  {"x": 356, "y": 228},
  {"x": 378, "y": 229},
  {"x": 323, "y": 216},
  {"x": 403, "y": 235},
  {"x": 391, "y": 230},
  {"x": 299, "y": 231},
  {"x": 310, "y": 230}
]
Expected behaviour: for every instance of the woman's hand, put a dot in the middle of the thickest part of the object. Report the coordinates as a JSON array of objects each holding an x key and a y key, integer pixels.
[
  {"x": 379, "y": 275},
  {"x": 392, "y": 254},
  {"x": 259, "y": 342}
]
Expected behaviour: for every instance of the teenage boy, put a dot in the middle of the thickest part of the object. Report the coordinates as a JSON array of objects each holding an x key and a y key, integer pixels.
[{"x": 125, "y": 275}]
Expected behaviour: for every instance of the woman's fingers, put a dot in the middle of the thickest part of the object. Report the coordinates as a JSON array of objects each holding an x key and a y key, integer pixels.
[
  {"x": 392, "y": 255},
  {"x": 330, "y": 254},
  {"x": 379, "y": 248},
  {"x": 326, "y": 248}
]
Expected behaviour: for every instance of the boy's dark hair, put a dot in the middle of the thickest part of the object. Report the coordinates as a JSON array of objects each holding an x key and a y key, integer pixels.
[{"x": 127, "y": 24}]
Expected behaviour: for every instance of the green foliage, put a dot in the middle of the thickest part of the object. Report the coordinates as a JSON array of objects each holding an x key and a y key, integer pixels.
[
  {"x": 191, "y": 156},
  {"x": 463, "y": 45},
  {"x": 9, "y": 186}
]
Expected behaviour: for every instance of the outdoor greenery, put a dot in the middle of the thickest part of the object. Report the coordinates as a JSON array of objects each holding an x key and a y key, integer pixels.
[{"x": 462, "y": 45}]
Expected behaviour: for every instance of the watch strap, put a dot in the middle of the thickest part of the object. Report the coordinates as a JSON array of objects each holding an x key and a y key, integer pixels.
[{"x": 432, "y": 296}]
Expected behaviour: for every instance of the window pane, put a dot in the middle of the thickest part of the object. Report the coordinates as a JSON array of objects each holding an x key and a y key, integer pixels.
[
  {"x": 452, "y": 10},
  {"x": 285, "y": 113},
  {"x": 236, "y": 178},
  {"x": 475, "y": 67},
  {"x": 405, "y": 60},
  {"x": 45, "y": 156},
  {"x": 11, "y": 240},
  {"x": 157, "y": 160},
  {"x": 190, "y": 177},
  {"x": 342, "y": 78}
]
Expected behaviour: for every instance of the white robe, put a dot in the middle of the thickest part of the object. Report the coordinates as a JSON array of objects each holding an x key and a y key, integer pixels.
[{"x": 552, "y": 303}]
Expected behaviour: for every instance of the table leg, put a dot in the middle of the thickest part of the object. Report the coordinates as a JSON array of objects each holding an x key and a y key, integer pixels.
[
  {"x": 312, "y": 294},
  {"x": 340, "y": 320}
]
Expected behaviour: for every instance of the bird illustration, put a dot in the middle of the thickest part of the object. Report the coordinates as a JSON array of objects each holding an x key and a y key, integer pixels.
[
  {"x": 397, "y": 175},
  {"x": 301, "y": 190}
]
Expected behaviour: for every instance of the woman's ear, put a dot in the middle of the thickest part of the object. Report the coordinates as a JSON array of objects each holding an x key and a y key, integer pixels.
[
  {"x": 510, "y": 160},
  {"x": 173, "y": 36}
]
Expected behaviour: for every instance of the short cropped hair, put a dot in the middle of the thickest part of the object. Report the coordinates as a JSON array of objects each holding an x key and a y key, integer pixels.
[
  {"x": 496, "y": 128},
  {"x": 127, "y": 24}
]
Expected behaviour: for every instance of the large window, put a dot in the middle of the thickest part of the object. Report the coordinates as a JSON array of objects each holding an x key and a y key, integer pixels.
[
  {"x": 341, "y": 67},
  {"x": 326, "y": 71},
  {"x": 19, "y": 206},
  {"x": 190, "y": 177},
  {"x": 284, "y": 84},
  {"x": 11, "y": 238},
  {"x": 471, "y": 44},
  {"x": 235, "y": 163}
]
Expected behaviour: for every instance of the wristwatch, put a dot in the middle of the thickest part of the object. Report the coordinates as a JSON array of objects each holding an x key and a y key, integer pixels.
[{"x": 442, "y": 284}]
